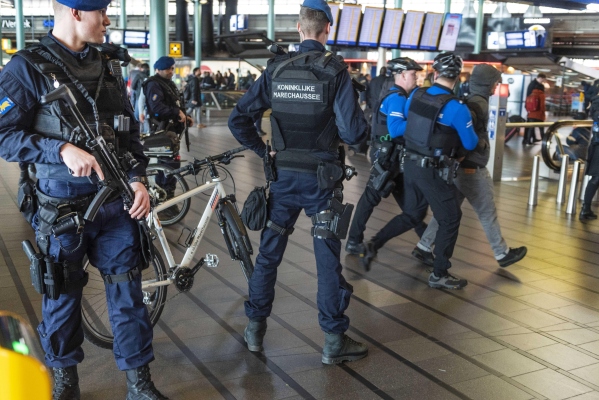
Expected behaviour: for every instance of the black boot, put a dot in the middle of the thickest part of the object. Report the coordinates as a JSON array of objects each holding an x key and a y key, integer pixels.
[
  {"x": 66, "y": 384},
  {"x": 140, "y": 385},
  {"x": 254, "y": 335},
  {"x": 586, "y": 213},
  {"x": 339, "y": 347}
]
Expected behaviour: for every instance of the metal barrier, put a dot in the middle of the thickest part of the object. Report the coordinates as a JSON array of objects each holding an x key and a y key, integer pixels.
[
  {"x": 563, "y": 177},
  {"x": 572, "y": 197},
  {"x": 534, "y": 182},
  {"x": 551, "y": 136}
]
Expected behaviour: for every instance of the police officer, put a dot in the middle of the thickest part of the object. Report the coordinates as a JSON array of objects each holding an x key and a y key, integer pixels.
[
  {"x": 473, "y": 180},
  {"x": 386, "y": 149},
  {"x": 166, "y": 112},
  {"x": 313, "y": 107},
  {"x": 438, "y": 132},
  {"x": 43, "y": 134}
]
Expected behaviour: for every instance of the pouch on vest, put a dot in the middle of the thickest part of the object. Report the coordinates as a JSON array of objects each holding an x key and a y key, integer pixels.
[
  {"x": 255, "y": 209},
  {"x": 329, "y": 174},
  {"x": 27, "y": 200}
]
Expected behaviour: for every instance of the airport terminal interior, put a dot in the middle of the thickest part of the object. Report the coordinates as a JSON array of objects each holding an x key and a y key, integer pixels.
[{"x": 528, "y": 331}]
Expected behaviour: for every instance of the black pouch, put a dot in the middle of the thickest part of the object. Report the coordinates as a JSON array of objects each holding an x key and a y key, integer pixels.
[
  {"x": 255, "y": 209},
  {"x": 329, "y": 174},
  {"x": 27, "y": 200},
  {"x": 53, "y": 278},
  {"x": 147, "y": 249},
  {"x": 384, "y": 153},
  {"x": 37, "y": 267}
]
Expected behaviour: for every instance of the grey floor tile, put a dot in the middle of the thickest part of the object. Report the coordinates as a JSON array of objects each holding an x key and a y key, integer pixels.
[
  {"x": 563, "y": 357},
  {"x": 578, "y": 313},
  {"x": 452, "y": 368},
  {"x": 587, "y": 396},
  {"x": 474, "y": 346},
  {"x": 508, "y": 362},
  {"x": 417, "y": 349},
  {"x": 593, "y": 347},
  {"x": 428, "y": 391},
  {"x": 491, "y": 388},
  {"x": 502, "y": 304},
  {"x": 535, "y": 318},
  {"x": 329, "y": 381},
  {"x": 545, "y": 300},
  {"x": 576, "y": 336},
  {"x": 262, "y": 387},
  {"x": 552, "y": 384},
  {"x": 589, "y": 373},
  {"x": 527, "y": 341}
]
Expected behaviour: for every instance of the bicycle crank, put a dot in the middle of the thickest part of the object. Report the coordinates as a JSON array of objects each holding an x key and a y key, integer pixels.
[{"x": 183, "y": 279}]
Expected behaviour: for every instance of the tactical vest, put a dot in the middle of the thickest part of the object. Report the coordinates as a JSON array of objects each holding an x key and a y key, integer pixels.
[
  {"x": 479, "y": 157},
  {"x": 54, "y": 120},
  {"x": 169, "y": 91},
  {"x": 379, "y": 120},
  {"x": 423, "y": 134},
  {"x": 302, "y": 94}
]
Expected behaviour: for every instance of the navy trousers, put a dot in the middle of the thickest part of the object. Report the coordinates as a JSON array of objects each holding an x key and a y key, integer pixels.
[
  {"x": 292, "y": 192},
  {"x": 112, "y": 244}
]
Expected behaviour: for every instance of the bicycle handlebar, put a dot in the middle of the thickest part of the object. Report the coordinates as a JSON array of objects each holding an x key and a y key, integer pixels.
[{"x": 226, "y": 156}]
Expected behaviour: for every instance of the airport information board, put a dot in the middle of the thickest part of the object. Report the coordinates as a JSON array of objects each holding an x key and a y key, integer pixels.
[
  {"x": 371, "y": 26},
  {"x": 333, "y": 32},
  {"x": 411, "y": 30},
  {"x": 349, "y": 24},
  {"x": 431, "y": 31},
  {"x": 392, "y": 28},
  {"x": 450, "y": 33}
]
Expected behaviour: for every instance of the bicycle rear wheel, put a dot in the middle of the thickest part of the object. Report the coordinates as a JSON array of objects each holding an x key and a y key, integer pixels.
[
  {"x": 94, "y": 311},
  {"x": 156, "y": 178},
  {"x": 240, "y": 242}
]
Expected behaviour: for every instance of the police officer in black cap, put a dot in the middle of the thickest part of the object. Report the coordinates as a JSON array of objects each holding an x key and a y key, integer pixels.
[
  {"x": 45, "y": 135},
  {"x": 386, "y": 150},
  {"x": 313, "y": 107},
  {"x": 437, "y": 135},
  {"x": 166, "y": 112}
]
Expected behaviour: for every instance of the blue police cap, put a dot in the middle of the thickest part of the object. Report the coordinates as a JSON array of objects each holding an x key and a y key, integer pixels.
[
  {"x": 85, "y": 5},
  {"x": 164, "y": 62},
  {"x": 320, "y": 5}
]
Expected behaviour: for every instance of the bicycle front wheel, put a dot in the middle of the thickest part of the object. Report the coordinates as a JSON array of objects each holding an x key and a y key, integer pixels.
[
  {"x": 157, "y": 182},
  {"x": 94, "y": 310},
  {"x": 239, "y": 240}
]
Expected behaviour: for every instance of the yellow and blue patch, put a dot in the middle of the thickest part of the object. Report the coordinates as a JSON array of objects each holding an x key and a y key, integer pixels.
[
  {"x": 5, "y": 105},
  {"x": 154, "y": 97}
]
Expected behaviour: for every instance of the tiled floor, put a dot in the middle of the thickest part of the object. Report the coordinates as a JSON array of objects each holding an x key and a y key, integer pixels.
[{"x": 527, "y": 332}]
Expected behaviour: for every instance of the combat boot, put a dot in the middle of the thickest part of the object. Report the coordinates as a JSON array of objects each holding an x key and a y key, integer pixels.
[
  {"x": 339, "y": 347},
  {"x": 140, "y": 385},
  {"x": 66, "y": 384},
  {"x": 586, "y": 213},
  {"x": 254, "y": 335}
]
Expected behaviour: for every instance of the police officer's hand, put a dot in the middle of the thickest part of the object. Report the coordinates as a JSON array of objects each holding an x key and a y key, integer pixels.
[
  {"x": 142, "y": 118},
  {"x": 182, "y": 116},
  {"x": 141, "y": 203},
  {"x": 79, "y": 161}
]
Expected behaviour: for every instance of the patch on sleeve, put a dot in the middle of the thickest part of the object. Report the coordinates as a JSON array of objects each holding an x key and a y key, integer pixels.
[
  {"x": 154, "y": 97},
  {"x": 5, "y": 105}
]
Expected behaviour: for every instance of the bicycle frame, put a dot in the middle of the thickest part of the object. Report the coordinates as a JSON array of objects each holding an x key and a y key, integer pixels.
[{"x": 154, "y": 222}]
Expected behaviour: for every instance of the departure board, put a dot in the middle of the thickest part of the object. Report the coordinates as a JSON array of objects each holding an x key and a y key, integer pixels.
[
  {"x": 451, "y": 31},
  {"x": 371, "y": 26},
  {"x": 391, "y": 28},
  {"x": 335, "y": 13},
  {"x": 349, "y": 25},
  {"x": 431, "y": 31},
  {"x": 411, "y": 30}
]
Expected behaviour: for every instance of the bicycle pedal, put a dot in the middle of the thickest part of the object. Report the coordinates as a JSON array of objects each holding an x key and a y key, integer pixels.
[{"x": 211, "y": 260}]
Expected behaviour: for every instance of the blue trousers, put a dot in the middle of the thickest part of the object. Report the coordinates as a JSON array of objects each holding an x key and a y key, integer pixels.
[
  {"x": 112, "y": 244},
  {"x": 292, "y": 192}
]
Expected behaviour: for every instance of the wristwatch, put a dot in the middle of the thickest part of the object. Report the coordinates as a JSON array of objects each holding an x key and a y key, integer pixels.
[{"x": 142, "y": 179}]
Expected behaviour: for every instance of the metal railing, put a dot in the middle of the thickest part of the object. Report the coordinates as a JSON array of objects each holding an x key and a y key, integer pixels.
[{"x": 550, "y": 137}]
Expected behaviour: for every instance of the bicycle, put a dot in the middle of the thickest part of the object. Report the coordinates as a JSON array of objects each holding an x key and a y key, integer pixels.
[{"x": 156, "y": 278}]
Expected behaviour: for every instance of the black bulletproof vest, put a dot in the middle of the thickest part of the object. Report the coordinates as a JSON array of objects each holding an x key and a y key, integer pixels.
[
  {"x": 169, "y": 91},
  {"x": 54, "y": 120},
  {"x": 302, "y": 93},
  {"x": 379, "y": 120},
  {"x": 423, "y": 134}
]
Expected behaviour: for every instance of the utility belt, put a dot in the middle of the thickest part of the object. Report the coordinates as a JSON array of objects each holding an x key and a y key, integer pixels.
[{"x": 446, "y": 166}]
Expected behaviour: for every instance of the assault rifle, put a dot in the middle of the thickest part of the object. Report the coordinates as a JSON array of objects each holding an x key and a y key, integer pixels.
[{"x": 115, "y": 177}]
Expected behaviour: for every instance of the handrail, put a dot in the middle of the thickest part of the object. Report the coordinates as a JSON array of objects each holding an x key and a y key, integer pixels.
[{"x": 545, "y": 145}]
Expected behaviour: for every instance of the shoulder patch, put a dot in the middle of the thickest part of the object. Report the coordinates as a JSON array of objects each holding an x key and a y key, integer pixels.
[
  {"x": 5, "y": 105},
  {"x": 154, "y": 97}
]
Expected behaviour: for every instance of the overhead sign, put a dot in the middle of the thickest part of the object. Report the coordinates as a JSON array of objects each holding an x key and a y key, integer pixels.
[
  {"x": 12, "y": 24},
  {"x": 175, "y": 49}
]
